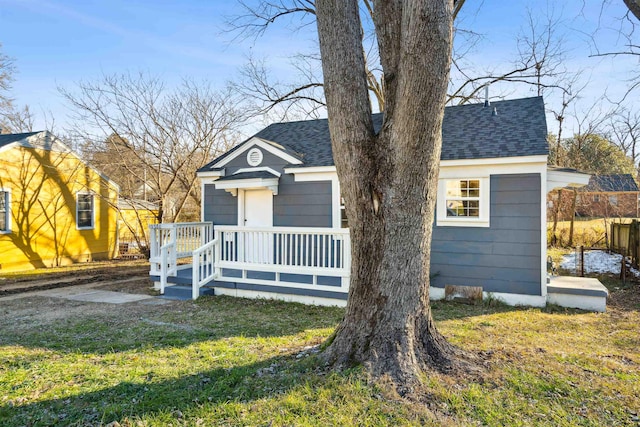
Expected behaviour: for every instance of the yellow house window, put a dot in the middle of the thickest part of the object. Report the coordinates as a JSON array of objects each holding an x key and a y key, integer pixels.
[
  {"x": 5, "y": 211},
  {"x": 84, "y": 211}
]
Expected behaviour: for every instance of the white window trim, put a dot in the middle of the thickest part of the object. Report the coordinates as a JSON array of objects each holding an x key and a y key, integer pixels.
[
  {"x": 93, "y": 210},
  {"x": 442, "y": 220},
  {"x": 8, "y": 212}
]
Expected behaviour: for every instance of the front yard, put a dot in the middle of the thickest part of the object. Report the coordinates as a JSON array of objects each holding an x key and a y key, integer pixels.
[{"x": 226, "y": 361}]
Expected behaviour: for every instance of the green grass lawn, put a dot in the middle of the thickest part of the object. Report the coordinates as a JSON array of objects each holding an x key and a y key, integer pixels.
[{"x": 226, "y": 361}]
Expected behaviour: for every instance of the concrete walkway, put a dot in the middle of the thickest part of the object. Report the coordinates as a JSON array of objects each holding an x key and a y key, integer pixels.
[{"x": 89, "y": 294}]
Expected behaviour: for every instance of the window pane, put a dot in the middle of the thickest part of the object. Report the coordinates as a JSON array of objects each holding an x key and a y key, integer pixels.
[
  {"x": 462, "y": 198},
  {"x": 453, "y": 189},
  {"x": 455, "y": 208},
  {"x": 85, "y": 210},
  {"x": 3, "y": 210}
]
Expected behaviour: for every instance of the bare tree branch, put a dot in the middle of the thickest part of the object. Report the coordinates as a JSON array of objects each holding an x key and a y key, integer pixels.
[{"x": 159, "y": 137}]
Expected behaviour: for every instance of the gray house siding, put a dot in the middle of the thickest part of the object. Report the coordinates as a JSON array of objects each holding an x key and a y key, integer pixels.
[
  {"x": 302, "y": 204},
  {"x": 504, "y": 257},
  {"x": 268, "y": 160},
  {"x": 298, "y": 204},
  {"x": 220, "y": 207}
]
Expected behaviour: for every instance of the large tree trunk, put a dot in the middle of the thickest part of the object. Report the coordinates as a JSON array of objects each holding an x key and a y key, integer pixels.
[{"x": 388, "y": 180}]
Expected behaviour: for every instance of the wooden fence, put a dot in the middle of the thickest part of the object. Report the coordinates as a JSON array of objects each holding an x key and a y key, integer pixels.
[{"x": 625, "y": 240}]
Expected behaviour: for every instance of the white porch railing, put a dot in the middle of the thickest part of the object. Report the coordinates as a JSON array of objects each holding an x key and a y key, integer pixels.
[
  {"x": 285, "y": 250},
  {"x": 204, "y": 266},
  {"x": 236, "y": 253},
  {"x": 169, "y": 243},
  {"x": 185, "y": 236}
]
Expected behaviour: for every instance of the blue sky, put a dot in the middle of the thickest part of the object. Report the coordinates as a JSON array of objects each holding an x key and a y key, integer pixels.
[{"x": 57, "y": 43}]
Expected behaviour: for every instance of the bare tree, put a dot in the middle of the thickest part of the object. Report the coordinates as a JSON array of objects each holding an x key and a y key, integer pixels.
[
  {"x": 538, "y": 63},
  {"x": 627, "y": 43},
  {"x": 16, "y": 120},
  {"x": 388, "y": 179},
  {"x": 170, "y": 133},
  {"x": 6, "y": 78},
  {"x": 624, "y": 128}
]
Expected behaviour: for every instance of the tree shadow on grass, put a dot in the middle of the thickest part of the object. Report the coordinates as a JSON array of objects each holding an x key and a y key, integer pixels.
[
  {"x": 166, "y": 400},
  {"x": 178, "y": 325}
]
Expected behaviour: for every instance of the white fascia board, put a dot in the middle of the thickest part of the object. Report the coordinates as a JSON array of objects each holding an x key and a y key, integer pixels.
[
  {"x": 232, "y": 186},
  {"x": 494, "y": 161},
  {"x": 562, "y": 179},
  {"x": 211, "y": 174},
  {"x": 450, "y": 169},
  {"x": 258, "y": 169},
  {"x": 269, "y": 146},
  {"x": 317, "y": 173}
]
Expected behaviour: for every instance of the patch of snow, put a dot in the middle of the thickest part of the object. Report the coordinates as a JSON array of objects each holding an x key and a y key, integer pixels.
[{"x": 596, "y": 262}]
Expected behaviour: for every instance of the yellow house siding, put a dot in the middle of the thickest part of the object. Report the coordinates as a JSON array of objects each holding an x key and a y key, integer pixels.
[
  {"x": 136, "y": 222},
  {"x": 44, "y": 185}
]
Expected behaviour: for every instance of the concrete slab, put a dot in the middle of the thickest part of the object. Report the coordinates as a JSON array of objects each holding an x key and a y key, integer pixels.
[
  {"x": 577, "y": 286},
  {"x": 87, "y": 293},
  {"x": 108, "y": 297},
  {"x": 577, "y": 292}
]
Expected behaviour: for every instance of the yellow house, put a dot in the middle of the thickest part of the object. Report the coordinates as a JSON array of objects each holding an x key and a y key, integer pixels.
[
  {"x": 55, "y": 209},
  {"x": 134, "y": 218}
]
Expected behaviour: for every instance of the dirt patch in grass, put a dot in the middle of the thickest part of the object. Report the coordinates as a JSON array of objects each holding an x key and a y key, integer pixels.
[{"x": 78, "y": 274}]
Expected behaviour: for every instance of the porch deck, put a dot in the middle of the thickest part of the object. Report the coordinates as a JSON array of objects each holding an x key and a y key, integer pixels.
[
  {"x": 298, "y": 264},
  {"x": 308, "y": 265}
]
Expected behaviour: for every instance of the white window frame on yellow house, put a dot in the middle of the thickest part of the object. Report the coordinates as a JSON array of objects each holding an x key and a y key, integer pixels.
[
  {"x": 5, "y": 193},
  {"x": 93, "y": 211}
]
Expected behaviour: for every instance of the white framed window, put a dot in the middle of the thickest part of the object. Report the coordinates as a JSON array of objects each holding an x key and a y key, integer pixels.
[
  {"x": 463, "y": 202},
  {"x": 613, "y": 200},
  {"x": 85, "y": 212},
  {"x": 5, "y": 211}
]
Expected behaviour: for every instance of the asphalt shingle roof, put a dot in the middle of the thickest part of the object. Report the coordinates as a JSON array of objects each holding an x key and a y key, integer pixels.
[
  {"x": 518, "y": 128},
  {"x": 611, "y": 183},
  {"x": 10, "y": 138}
]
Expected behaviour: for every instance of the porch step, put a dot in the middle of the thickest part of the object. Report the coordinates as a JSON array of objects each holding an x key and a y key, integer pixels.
[
  {"x": 577, "y": 292},
  {"x": 180, "y": 292}
]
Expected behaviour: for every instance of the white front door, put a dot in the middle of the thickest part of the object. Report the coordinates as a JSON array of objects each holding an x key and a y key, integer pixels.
[
  {"x": 258, "y": 212},
  {"x": 258, "y": 208}
]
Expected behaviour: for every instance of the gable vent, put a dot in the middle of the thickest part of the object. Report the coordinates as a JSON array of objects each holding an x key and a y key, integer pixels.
[{"x": 254, "y": 157}]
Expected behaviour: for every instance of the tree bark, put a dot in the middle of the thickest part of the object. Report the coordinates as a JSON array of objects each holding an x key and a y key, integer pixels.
[
  {"x": 388, "y": 180},
  {"x": 634, "y": 7}
]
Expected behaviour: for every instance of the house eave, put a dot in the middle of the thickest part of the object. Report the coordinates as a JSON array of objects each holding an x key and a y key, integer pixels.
[
  {"x": 563, "y": 179},
  {"x": 233, "y": 185}
]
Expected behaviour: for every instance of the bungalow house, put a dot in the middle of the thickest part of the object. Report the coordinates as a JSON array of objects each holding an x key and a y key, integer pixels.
[
  {"x": 273, "y": 217},
  {"x": 606, "y": 196},
  {"x": 609, "y": 196},
  {"x": 55, "y": 209}
]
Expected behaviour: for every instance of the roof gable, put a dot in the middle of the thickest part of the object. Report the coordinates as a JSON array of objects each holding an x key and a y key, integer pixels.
[
  {"x": 272, "y": 147},
  {"x": 512, "y": 128},
  {"x": 10, "y": 138},
  {"x": 45, "y": 140}
]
